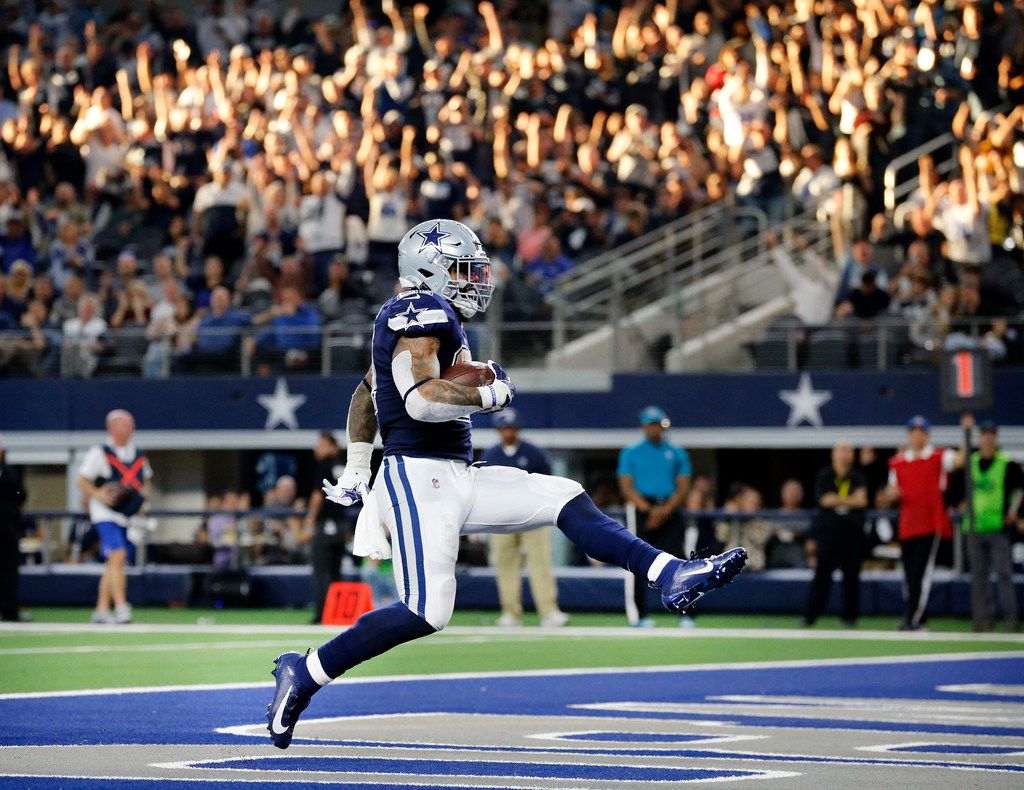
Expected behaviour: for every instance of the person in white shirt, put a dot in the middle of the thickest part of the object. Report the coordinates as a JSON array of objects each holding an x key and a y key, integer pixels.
[
  {"x": 813, "y": 288},
  {"x": 322, "y": 225},
  {"x": 816, "y": 181},
  {"x": 115, "y": 477},
  {"x": 83, "y": 338}
]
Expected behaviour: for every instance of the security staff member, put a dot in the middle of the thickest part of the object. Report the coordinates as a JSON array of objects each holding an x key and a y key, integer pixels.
[
  {"x": 654, "y": 476},
  {"x": 329, "y": 522},
  {"x": 838, "y": 534},
  {"x": 917, "y": 481},
  {"x": 12, "y": 497},
  {"x": 116, "y": 478},
  {"x": 507, "y": 550},
  {"x": 998, "y": 488}
]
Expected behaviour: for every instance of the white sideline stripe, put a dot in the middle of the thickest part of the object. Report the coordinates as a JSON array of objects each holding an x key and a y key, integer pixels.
[
  {"x": 527, "y": 673},
  {"x": 171, "y": 646},
  {"x": 534, "y": 631},
  {"x": 991, "y": 689}
]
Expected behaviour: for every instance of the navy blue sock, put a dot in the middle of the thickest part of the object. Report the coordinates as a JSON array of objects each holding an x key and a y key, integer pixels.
[
  {"x": 603, "y": 538},
  {"x": 374, "y": 633}
]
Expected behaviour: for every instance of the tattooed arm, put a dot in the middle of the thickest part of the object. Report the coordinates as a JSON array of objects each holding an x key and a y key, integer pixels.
[
  {"x": 428, "y": 397},
  {"x": 354, "y": 482},
  {"x": 362, "y": 419}
]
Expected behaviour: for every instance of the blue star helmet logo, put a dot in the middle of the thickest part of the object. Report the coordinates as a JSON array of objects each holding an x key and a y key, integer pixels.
[{"x": 432, "y": 237}]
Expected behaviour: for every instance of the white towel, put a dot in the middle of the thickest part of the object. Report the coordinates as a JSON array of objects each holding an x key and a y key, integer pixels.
[{"x": 371, "y": 538}]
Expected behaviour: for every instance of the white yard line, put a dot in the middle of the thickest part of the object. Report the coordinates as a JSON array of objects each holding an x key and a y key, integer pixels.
[
  {"x": 292, "y": 643},
  {"x": 796, "y": 663}
]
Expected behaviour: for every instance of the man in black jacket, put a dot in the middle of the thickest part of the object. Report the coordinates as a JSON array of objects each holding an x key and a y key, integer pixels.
[
  {"x": 12, "y": 497},
  {"x": 838, "y": 534}
]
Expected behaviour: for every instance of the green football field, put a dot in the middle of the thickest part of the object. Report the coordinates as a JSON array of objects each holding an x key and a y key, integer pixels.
[{"x": 165, "y": 647}]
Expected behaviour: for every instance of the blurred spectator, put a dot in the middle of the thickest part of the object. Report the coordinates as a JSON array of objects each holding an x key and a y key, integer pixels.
[
  {"x": 16, "y": 244},
  {"x": 329, "y": 523},
  {"x": 66, "y": 305},
  {"x": 543, "y": 271},
  {"x": 342, "y": 290},
  {"x": 322, "y": 224},
  {"x": 786, "y": 544},
  {"x": 813, "y": 287},
  {"x": 508, "y": 551},
  {"x": 70, "y": 254},
  {"x": 83, "y": 338},
  {"x": 816, "y": 181},
  {"x": 217, "y": 337},
  {"x": 750, "y": 532},
  {"x": 292, "y": 340},
  {"x": 837, "y": 540},
  {"x": 654, "y": 478},
  {"x": 859, "y": 262},
  {"x": 867, "y": 300},
  {"x": 917, "y": 482},
  {"x": 997, "y": 486}
]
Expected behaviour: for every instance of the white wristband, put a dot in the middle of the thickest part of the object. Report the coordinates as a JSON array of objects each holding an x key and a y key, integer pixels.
[
  {"x": 488, "y": 396},
  {"x": 358, "y": 455}
]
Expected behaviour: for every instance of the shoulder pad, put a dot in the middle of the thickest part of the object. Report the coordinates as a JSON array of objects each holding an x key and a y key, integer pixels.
[{"x": 417, "y": 313}]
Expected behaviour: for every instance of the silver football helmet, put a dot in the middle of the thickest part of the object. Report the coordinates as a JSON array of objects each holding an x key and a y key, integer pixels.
[{"x": 447, "y": 258}]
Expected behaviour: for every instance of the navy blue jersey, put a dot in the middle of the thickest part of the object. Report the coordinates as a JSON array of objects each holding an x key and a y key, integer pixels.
[
  {"x": 417, "y": 314},
  {"x": 528, "y": 457}
]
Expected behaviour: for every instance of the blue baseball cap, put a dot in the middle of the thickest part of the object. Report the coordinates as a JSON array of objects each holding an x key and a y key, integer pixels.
[
  {"x": 506, "y": 418},
  {"x": 654, "y": 414},
  {"x": 919, "y": 421}
]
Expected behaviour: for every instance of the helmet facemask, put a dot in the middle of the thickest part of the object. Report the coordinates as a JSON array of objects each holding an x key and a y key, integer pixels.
[{"x": 469, "y": 287}]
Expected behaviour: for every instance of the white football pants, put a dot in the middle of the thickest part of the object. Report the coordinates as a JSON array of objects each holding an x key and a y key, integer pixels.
[{"x": 426, "y": 504}]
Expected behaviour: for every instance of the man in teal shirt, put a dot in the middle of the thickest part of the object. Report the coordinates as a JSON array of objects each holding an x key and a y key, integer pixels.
[{"x": 654, "y": 476}]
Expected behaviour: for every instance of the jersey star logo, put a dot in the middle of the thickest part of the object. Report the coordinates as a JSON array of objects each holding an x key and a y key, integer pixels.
[
  {"x": 281, "y": 407},
  {"x": 432, "y": 237},
  {"x": 805, "y": 402},
  {"x": 411, "y": 316}
]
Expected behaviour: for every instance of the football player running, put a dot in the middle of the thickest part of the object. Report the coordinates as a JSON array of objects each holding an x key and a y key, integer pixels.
[{"x": 427, "y": 493}]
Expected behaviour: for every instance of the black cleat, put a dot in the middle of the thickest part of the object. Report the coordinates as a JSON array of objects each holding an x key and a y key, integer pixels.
[
  {"x": 695, "y": 577},
  {"x": 288, "y": 703}
]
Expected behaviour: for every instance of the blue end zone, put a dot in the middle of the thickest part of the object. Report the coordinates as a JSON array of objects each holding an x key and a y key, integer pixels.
[{"x": 192, "y": 717}]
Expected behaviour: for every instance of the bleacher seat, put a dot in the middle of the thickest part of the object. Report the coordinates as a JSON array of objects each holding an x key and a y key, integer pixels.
[{"x": 828, "y": 349}]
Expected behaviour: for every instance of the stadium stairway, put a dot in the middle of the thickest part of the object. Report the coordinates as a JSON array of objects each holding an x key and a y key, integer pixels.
[
  {"x": 628, "y": 298},
  {"x": 690, "y": 298}
]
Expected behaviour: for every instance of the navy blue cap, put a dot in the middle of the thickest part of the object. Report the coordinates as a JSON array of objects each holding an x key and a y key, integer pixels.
[
  {"x": 654, "y": 414},
  {"x": 988, "y": 427},
  {"x": 506, "y": 418},
  {"x": 919, "y": 421}
]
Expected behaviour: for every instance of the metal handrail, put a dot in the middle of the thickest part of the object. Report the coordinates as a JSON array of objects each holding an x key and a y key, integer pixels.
[
  {"x": 591, "y": 269},
  {"x": 894, "y": 190},
  {"x": 617, "y": 287}
]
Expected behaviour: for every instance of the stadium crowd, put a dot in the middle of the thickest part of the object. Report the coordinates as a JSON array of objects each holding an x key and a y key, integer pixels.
[{"x": 248, "y": 170}]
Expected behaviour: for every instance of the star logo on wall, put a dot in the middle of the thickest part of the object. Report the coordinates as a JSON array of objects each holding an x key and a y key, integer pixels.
[
  {"x": 432, "y": 237},
  {"x": 281, "y": 407},
  {"x": 805, "y": 402}
]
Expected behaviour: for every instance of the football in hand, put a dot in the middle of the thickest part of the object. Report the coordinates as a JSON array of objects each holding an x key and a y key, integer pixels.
[{"x": 469, "y": 374}]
